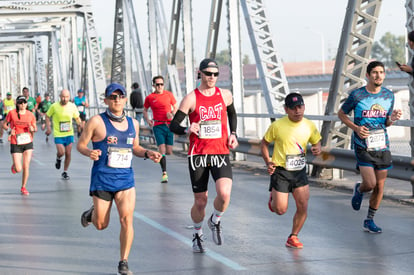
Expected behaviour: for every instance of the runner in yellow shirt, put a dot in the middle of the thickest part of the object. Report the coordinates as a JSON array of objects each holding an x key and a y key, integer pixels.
[
  {"x": 62, "y": 113},
  {"x": 287, "y": 166},
  {"x": 9, "y": 103},
  {"x": 6, "y": 106}
]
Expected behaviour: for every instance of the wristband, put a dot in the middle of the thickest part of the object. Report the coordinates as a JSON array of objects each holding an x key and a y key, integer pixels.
[
  {"x": 146, "y": 155},
  {"x": 392, "y": 121},
  {"x": 234, "y": 133}
]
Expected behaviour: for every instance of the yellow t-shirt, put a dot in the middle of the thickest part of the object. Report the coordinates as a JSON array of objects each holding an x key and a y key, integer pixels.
[
  {"x": 62, "y": 118},
  {"x": 290, "y": 138},
  {"x": 8, "y": 105}
]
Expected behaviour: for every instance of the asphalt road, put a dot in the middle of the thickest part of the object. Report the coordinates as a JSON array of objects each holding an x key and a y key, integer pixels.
[{"x": 41, "y": 233}]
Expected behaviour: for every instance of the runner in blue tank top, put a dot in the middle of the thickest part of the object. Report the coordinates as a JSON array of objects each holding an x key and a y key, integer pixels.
[
  {"x": 115, "y": 140},
  {"x": 373, "y": 112}
]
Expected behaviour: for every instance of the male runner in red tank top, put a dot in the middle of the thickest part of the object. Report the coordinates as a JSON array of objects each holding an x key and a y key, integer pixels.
[{"x": 208, "y": 108}]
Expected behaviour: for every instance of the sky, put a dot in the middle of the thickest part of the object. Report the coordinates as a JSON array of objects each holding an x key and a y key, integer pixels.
[{"x": 301, "y": 29}]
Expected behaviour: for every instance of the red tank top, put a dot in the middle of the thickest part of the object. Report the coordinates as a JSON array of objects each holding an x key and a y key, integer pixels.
[{"x": 211, "y": 112}]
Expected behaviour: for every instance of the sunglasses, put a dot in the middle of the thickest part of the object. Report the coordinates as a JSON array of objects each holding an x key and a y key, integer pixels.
[
  {"x": 115, "y": 97},
  {"x": 159, "y": 84},
  {"x": 210, "y": 73},
  {"x": 21, "y": 102}
]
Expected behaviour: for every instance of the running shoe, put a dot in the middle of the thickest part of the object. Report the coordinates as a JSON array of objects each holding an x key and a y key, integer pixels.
[
  {"x": 357, "y": 197},
  {"x": 58, "y": 163},
  {"x": 269, "y": 204},
  {"x": 65, "y": 176},
  {"x": 13, "y": 170},
  {"x": 86, "y": 217},
  {"x": 1, "y": 141},
  {"x": 123, "y": 268},
  {"x": 24, "y": 191},
  {"x": 198, "y": 243},
  {"x": 216, "y": 230},
  {"x": 293, "y": 242},
  {"x": 164, "y": 178},
  {"x": 371, "y": 227}
]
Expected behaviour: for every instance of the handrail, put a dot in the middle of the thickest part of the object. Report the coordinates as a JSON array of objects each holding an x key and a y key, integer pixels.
[{"x": 403, "y": 166}]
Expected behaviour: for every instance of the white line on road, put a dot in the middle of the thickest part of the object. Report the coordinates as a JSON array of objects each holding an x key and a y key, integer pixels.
[{"x": 216, "y": 256}]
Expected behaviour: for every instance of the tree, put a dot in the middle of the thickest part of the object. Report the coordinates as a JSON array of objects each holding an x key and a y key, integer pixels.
[
  {"x": 388, "y": 49},
  {"x": 223, "y": 58}
]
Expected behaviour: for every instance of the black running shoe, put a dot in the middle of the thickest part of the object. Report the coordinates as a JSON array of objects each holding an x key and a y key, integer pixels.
[
  {"x": 65, "y": 176},
  {"x": 216, "y": 230},
  {"x": 86, "y": 217},
  {"x": 123, "y": 268},
  {"x": 58, "y": 163},
  {"x": 198, "y": 243}
]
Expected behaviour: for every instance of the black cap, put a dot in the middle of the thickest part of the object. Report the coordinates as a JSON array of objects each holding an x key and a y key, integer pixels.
[
  {"x": 207, "y": 63},
  {"x": 21, "y": 98},
  {"x": 293, "y": 99}
]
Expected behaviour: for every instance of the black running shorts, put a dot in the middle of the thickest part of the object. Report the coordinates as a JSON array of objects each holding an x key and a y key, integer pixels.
[
  {"x": 285, "y": 181},
  {"x": 14, "y": 148},
  {"x": 200, "y": 166},
  {"x": 379, "y": 160}
]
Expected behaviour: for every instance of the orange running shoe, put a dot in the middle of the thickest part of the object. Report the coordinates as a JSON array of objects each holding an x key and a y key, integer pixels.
[
  {"x": 294, "y": 242},
  {"x": 13, "y": 170},
  {"x": 269, "y": 204},
  {"x": 24, "y": 191}
]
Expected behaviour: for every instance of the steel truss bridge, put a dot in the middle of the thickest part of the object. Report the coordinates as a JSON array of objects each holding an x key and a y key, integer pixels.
[{"x": 48, "y": 45}]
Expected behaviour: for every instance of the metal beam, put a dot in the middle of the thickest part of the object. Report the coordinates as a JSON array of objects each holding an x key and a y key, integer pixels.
[
  {"x": 409, "y": 5},
  {"x": 269, "y": 64},
  {"x": 118, "y": 50},
  {"x": 350, "y": 67}
]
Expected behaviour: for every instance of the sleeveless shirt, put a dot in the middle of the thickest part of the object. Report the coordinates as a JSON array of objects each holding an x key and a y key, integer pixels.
[
  {"x": 211, "y": 112},
  {"x": 107, "y": 178}
]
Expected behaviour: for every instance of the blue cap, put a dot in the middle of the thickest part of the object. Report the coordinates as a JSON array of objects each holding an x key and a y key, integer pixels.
[{"x": 114, "y": 87}]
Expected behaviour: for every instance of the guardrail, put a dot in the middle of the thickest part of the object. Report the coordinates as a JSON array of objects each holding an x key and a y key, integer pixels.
[{"x": 403, "y": 167}]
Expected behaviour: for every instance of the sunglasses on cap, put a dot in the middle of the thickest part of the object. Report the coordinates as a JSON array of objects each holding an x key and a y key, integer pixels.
[
  {"x": 115, "y": 97},
  {"x": 210, "y": 73}
]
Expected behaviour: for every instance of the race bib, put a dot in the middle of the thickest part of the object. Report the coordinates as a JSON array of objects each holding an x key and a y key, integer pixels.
[
  {"x": 23, "y": 138},
  {"x": 64, "y": 126},
  {"x": 81, "y": 108},
  {"x": 119, "y": 157},
  {"x": 376, "y": 140},
  {"x": 1, "y": 116},
  {"x": 210, "y": 129},
  {"x": 295, "y": 162},
  {"x": 9, "y": 108}
]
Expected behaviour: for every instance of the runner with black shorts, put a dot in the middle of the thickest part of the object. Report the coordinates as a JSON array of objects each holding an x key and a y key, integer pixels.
[
  {"x": 373, "y": 112},
  {"x": 208, "y": 108},
  {"x": 81, "y": 103},
  {"x": 287, "y": 167},
  {"x": 22, "y": 125},
  {"x": 115, "y": 139}
]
